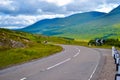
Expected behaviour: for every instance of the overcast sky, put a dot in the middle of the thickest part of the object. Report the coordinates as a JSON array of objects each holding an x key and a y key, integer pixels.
[{"x": 21, "y": 13}]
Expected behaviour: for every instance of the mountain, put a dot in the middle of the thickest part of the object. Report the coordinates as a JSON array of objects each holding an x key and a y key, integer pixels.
[
  {"x": 49, "y": 26},
  {"x": 115, "y": 11},
  {"x": 84, "y": 26}
]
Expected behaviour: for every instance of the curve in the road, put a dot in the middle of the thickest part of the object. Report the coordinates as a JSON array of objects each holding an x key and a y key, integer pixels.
[{"x": 74, "y": 63}]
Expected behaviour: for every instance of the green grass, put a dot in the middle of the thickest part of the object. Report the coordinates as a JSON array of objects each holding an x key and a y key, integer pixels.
[
  {"x": 19, "y": 55},
  {"x": 90, "y": 32},
  {"x": 104, "y": 47},
  {"x": 34, "y": 47}
]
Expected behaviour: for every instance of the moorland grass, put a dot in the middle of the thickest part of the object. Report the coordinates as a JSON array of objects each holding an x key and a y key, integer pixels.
[
  {"x": 14, "y": 56},
  {"x": 35, "y": 48}
]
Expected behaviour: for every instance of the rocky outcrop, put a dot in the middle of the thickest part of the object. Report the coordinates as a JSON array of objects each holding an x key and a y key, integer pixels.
[
  {"x": 1, "y": 44},
  {"x": 11, "y": 43},
  {"x": 16, "y": 44}
]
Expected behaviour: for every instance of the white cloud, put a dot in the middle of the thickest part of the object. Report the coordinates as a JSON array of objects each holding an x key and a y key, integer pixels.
[
  {"x": 7, "y": 6},
  {"x": 10, "y": 27},
  {"x": 22, "y": 21},
  {"x": 21, "y": 13},
  {"x": 60, "y": 2},
  {"x": 106, "y": 7},
  {"x": 5, "y": 2}
]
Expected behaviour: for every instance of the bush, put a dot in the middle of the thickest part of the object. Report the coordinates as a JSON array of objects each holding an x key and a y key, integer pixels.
[{"x": 109, "y": 42}]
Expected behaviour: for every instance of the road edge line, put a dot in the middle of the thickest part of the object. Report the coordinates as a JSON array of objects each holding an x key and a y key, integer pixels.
[{"x": 99, "y": 66}]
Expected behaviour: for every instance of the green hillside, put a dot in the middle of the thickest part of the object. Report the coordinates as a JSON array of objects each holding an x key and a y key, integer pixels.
[
  {"x": 19, "y": 47},
  {"x": 54, "y": 27},
  {"x": 83, "y": 26}
]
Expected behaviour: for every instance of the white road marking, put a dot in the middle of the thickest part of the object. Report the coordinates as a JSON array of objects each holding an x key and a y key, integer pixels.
[
  {"x": 93, "y": 71},
  {"x": 95, "y": 66},
  {"x": 78, "y": 49},
  {"x": 63, "y": 61},
  {"x": 76, "y": 54},
  {"x": 23, "y": 78},
  {"x": 58, "y": 64}
]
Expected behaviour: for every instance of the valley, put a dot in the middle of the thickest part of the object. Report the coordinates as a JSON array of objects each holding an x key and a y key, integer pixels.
[{"x": 82, "y": 26}]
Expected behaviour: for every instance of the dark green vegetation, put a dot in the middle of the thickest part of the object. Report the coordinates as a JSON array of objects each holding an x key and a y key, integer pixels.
[
  {"x": 83, "y": 26},
  {"x": 112, "y": 42},
  {"x": 107, "y": 42}
]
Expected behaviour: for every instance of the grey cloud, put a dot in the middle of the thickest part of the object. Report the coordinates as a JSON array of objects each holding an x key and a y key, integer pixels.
[
  {"x": 89, "y": 5},
  {"x": 6, "y": 7},
  {"x": 31, "y": 7},
  {"x": 42, "y": 8},
  {"x": 113, "y": 1},
  {"x": 10, "y": 21}
]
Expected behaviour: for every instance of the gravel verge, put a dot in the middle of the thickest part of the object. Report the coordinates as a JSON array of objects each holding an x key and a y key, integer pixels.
[{"x": 108, "y": 68}]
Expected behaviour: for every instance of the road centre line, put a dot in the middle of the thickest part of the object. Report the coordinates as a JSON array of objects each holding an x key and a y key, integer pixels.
[
  {"x": 93, "y": 71},
  {"x": 78, "y": 49},
  {"x": 76, "y": 54},
  {"x": 23, "y": 78},
  {"x": 58, "y": 64},
  {"x": 94, "y": 68},
  {"x": 63, "y": 61}
]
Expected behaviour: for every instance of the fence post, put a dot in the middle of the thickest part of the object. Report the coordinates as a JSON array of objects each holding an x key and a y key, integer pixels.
[
  {"x": 116, "y": 57},
  {"x": 117, "y": 76},
  {"x": 117, "y": 63},
  {"x": 113, "y": 48}
]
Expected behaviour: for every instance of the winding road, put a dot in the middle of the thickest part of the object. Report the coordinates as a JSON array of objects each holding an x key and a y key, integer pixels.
[{"x": 73, "y": 63}]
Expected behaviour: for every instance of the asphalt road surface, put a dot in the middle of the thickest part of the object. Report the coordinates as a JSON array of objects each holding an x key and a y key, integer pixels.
[{"x": 73, "y": 63}]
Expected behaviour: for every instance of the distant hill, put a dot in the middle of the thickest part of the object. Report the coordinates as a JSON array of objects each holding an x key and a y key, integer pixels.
[
  {"x": 115, "y": 11},
  {"x": 84, "y": 26}
]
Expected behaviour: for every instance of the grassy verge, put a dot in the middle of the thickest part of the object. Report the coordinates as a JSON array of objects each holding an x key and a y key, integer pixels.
[
  {"x": 84, "y": 43},
  {"x": 34, "y": 47},
  {"x": 10, "y": 57}
]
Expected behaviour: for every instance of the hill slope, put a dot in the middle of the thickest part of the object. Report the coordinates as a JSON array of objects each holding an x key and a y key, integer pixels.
[
  {"x": 80, "y": 26},
  {"x": 19, "y": 47},
  {"x": 50, "y": 26}
]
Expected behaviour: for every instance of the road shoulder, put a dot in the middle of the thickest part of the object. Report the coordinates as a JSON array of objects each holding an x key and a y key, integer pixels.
[{"x": 107, "y": 70}]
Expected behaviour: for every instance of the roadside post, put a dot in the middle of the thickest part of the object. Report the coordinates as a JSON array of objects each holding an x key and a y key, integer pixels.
[
  {"x": 118, "y": 64},
  {"x": 117, "y": 77},
  {"x": 113, "y": 48},
  {"x": 116, "y": 57},
  {"x": 118, "y": 69}
]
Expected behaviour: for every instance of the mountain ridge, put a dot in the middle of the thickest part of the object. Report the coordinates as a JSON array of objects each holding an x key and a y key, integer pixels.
[{"x": 79, "y": 26}]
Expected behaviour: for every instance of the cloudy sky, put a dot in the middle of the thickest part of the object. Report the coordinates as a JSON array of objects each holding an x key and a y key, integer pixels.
[{"x": 21, "y": 13}]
